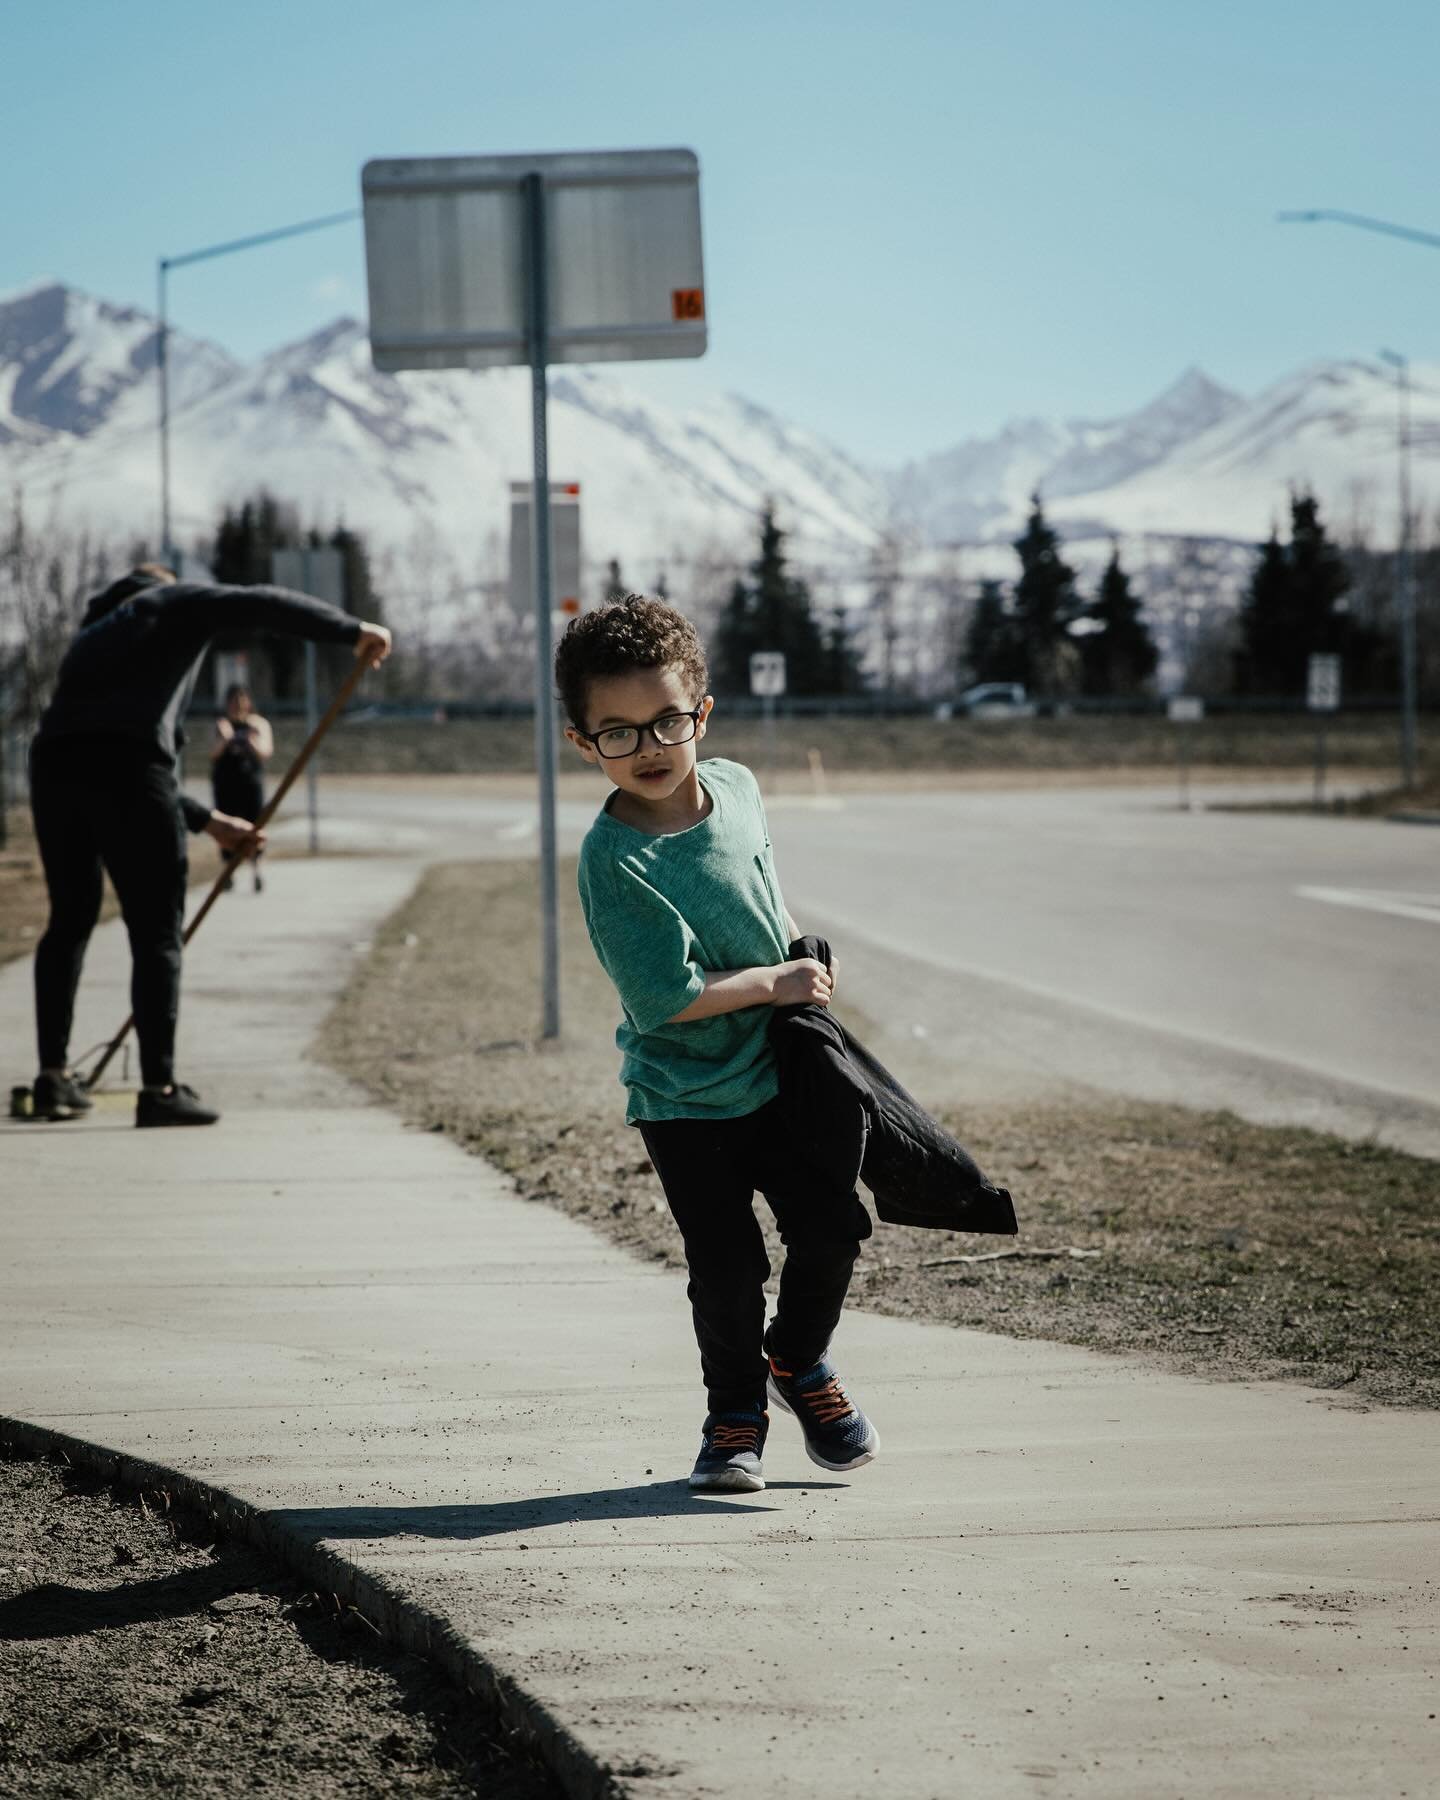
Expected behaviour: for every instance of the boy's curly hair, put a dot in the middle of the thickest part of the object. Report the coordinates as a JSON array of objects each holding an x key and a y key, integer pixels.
[{"x": 634, "y": 633}]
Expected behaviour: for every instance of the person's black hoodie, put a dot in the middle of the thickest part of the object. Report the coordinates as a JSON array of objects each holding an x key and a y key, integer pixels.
[
  {"x": 851, "y": 1118},
  {"x": 132, "y": 665}
]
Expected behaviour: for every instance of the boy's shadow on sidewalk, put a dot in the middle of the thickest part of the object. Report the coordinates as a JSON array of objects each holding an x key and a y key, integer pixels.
[{"x": 497, "y": 1518}]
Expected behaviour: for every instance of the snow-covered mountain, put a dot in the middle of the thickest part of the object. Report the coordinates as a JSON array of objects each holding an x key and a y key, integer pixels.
[
  {"x": 420, "y": 457},
  {"x": 422, "y": 461},
  {"x": 72, "y": 365},
  {"x": 1197, "y": 462},
  {"x": 1331, "y": 427},
  {"x": 980, "y": 488}
]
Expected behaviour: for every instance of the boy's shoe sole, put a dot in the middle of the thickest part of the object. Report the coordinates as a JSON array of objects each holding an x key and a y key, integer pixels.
[
  {"x": 867, "y": 1455},
  {"x": 727, "y": 1481}
]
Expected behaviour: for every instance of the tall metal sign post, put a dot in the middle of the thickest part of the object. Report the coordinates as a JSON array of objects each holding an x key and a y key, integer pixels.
[
  {"x": 322, "y": 573},
  {"x": 478, "y": 261}
]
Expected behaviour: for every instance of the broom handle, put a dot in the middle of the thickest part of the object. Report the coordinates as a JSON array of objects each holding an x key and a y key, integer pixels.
[{"x": 267, "y": 812}]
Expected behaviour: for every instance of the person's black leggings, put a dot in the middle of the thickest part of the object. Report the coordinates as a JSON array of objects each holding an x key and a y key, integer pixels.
[
  {"x": 106, "y": 803},
  {"x": 710, "y": 1170}
]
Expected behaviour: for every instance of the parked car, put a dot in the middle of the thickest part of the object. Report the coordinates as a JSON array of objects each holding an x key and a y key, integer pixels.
[{"x": 996, "y": 700}]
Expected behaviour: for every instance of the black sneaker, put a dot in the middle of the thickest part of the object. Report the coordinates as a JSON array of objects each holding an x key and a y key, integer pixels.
[
  {"x": 731, "y": 1445},
  {"x": 179, "y": 1105},
  {"x": 58, "y": 1097},
  {"x": 838, "y": 1436}
]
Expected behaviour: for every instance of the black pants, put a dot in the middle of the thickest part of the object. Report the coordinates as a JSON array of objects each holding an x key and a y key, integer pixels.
[
  {"x": 710, "y": 1170},
  {"x": 106, "y": 803}
]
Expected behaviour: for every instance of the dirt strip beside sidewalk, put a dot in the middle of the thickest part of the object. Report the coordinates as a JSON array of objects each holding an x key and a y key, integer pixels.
[{"x": 1065, "y": 1568}]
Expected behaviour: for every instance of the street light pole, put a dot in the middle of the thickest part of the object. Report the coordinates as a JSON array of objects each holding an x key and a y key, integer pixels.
[
  {"x": 1404, "y": 567},
  {"x": 163, "y": 266},
  {"x": 162, "y": 366},
  {"x": 1404, "y": 573},
  {"x": 1329, "y": 216}
]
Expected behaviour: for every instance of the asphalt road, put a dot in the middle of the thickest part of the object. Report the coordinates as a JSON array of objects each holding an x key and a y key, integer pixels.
[
  {"x": 1285, "y": 966},
  {"x": 1309, "y": 943}
]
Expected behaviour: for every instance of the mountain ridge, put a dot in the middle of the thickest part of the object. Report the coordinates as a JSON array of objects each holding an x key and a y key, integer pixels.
[{"x": 428, "y": 456}]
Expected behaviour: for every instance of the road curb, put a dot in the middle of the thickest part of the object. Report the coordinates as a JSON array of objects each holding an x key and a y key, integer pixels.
[{"x": 499, "y": 1691}]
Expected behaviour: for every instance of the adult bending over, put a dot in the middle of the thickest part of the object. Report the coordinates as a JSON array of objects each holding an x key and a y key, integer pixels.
[{"x": 104, "y": 794}]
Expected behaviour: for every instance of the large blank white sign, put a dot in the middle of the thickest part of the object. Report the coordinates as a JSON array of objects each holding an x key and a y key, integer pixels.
[{"x": 445, "y": 255}]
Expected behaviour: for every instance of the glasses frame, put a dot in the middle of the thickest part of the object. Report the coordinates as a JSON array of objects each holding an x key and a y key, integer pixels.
[{"x": 671, "y": 712}]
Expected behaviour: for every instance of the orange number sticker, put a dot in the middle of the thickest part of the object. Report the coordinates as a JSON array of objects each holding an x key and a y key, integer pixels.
[{"x": 688, "y": 303}]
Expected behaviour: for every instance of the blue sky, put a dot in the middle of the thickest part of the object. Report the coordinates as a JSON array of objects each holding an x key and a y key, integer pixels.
[{"x": 920, "y": 219}]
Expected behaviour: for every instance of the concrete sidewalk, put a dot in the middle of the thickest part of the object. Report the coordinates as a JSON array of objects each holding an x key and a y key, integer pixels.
[{"x": 1066, "y": 1575}]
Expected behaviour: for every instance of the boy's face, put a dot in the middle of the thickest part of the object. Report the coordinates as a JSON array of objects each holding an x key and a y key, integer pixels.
[{"x": 655, "y": 771}]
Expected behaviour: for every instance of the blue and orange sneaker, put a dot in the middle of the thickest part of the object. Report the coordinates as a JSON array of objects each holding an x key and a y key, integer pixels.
[
  {"x": 838, "y": 1436},
  {"x": 731, "y": 1445}
]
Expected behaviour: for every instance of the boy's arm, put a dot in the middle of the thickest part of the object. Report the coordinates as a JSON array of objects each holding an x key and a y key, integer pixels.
[{"x": 801, "y": 983}]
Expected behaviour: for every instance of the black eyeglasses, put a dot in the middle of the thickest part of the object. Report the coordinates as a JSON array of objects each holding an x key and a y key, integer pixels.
[{"x": 668, "y": 730}]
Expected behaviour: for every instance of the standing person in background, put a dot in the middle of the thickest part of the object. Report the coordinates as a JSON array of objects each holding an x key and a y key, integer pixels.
[
  {"x": 242, "y": 745},
  {"x": 105, "y": 797}
]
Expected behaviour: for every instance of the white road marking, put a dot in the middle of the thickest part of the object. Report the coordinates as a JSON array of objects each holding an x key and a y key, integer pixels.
[
  {"x": 518, "y": 828},
  {"x": 1425, "y": 907}
]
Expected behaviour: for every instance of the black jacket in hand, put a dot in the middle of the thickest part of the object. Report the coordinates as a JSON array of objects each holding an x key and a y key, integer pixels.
[{"x": 852, "y": 1119}]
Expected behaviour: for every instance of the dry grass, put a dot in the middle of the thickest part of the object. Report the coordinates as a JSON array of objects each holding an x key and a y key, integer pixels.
[
  {"x": 1384, "y": 802},
  {"x": 1230, "y": 1248},
  {"x": 1225, "y": 743}
]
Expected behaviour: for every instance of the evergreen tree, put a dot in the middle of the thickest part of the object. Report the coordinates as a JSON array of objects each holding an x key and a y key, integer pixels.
[
  {"x": 772, "y": 611},
  {"x": 842, "y": 673},
  {"x": 1045, "y": 605},
  {"x": 1117, "y": 655},
  {"x": 246, "y": 540},
  {"x": 1294, "y": 605},
  {"x": 993, "y": 648}
]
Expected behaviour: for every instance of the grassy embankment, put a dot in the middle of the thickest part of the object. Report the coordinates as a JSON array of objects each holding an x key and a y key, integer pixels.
[
  {"x": 1231, "y": 745},
  {"x": 1232, "y": 1249}
]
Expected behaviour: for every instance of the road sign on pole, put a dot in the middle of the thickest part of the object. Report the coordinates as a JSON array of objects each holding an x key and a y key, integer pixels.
[
  {"x": 1322, "y": 696},
  {"x": 322, "y": 573},
  {"x": 767, "y": 683},
  {"x": 479, "y": 261},
  {"x": 1184, "y": 709},
  {"x": 1322, "y": 684},
  {"x": 565, "y": 546}
]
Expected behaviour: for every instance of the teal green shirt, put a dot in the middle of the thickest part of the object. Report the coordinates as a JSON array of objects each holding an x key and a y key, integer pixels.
[{"x": 661, "y": 912}]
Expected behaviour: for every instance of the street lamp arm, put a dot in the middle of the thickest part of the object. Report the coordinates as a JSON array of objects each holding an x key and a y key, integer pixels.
[
  {"x": 262, "y": 237},
  {"x": 163, "y": 266},
  {"x": 1363, "y": 221}
]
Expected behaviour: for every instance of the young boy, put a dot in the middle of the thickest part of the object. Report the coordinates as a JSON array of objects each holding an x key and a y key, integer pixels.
[{"x": 683, "y": 906}]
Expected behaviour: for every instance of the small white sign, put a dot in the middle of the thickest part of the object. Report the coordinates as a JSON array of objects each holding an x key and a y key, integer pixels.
[
  {"x": 1322, "y": 683},
  {"x": 767, "y": 674},
  {"x": 1185, "y": 709}
]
